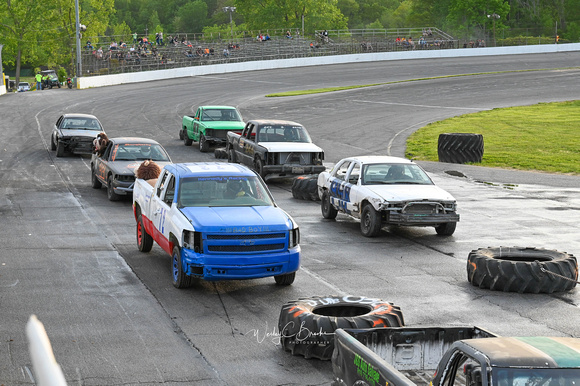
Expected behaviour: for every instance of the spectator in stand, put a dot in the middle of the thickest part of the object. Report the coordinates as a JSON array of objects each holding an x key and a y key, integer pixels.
[
  {"x": 429, "y": 32},
  {"x": 89, "y": 46},
  {"x": 288, "y": 35},
  {"x": 267, "y": 37},
  {"x": 226, "y": 52},
  {"x": 161, "y": 38},
  {"x": 157, "y": 38},
  {"x": 122, "y": 44},
  {"x": 260, "y": 37},
  {"x": 113, "y": 46},
  {"x": 100, "y": 53},
  {"x": 134, "y": 37},
  {"x": 411, "y": 43}
]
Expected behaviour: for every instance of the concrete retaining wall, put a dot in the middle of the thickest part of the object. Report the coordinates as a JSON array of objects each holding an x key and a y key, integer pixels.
[{"x": 108, "y": 80}]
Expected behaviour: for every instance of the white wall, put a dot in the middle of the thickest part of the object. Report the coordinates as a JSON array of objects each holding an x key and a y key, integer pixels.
[{"x": 2, "y": 89}]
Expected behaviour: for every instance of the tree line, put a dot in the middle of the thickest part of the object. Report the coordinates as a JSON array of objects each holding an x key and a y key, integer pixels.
[{"x": 42, "y": 33}]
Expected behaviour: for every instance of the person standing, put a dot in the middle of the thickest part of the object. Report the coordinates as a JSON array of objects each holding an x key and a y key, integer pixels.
[
  {"x": 134, "y": 37},
  {"x": 45, "y": 81},
  {"x": 38, "y": 81}
]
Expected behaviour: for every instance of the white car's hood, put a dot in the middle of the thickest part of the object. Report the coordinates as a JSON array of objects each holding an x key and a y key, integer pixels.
[
  {"x": 411, "y": 192},
  {"x": 79, "y": 133},
  {"x": 299, "y": 147}
]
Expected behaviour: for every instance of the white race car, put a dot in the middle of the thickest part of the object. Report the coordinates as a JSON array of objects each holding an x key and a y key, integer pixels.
[{"x": 386, "y": 191}]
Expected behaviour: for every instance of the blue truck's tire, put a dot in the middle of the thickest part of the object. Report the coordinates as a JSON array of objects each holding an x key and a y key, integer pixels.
[
  {"x": 307, "y": 325},
  {"x": 144, "y": 239},
  {"x": 180, "y": 279},
  {"x": 517, "y": 269},
  {"x": 285, "y": 279}
]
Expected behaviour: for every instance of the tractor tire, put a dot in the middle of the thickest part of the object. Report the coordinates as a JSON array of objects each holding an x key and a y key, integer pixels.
[
  {"x": 460, "y": 148},
  {"x": 307, "y": 325},
  {"x": 515, "y": 269},
  {"x": 220, "y": 153},
  {"x": 305, "y": 188}
]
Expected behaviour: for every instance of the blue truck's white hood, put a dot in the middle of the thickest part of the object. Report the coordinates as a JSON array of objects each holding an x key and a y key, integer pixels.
[
  {"x": 248, "y": 219},
  {"x": 297, "y": 147},
  {"x": 411, "y": 192}
]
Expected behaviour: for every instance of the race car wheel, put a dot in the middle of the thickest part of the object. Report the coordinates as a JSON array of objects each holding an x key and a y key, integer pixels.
[
  {"x": 307, "y": 325},
  {"x": 59, "y": 149},
  {"x": 328, "y": 211},
  {"x": 95, "y": 183},
  {"x": 370, "y": 221},
  {"x": 446, "y": 229},
  {"x": 186, "y": 140},
  {"x": 305, "y": 188},
  {"x": 110, "y": 191},
  {"x": 259, "y": 167},
  {"x": 203, "y": 144},
  {"x": 181, "y": 136},
  {"x": 286, "y": 279},
  {"x": 144, "y": 240},
  {"x": 180, "y": 279},
  {"x": 516, "y": 269},
  {"x": 231, "y": 156},
  {"x": 220, "y": 153},
  {"x": 52, "y": 144}
]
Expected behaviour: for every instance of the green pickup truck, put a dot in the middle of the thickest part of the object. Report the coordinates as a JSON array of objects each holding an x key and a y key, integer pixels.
[{"x": 210, "y": 126}]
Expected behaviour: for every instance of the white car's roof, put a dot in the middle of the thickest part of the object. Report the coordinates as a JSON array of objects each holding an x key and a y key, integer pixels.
[{"x": 379, "y": 159}]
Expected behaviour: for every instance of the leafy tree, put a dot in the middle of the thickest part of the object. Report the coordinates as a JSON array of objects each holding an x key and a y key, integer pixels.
[
  {"x": 20, "y": 25},
  {"x": 472, "y": 15},
  {"x": 191, "y": 18}
]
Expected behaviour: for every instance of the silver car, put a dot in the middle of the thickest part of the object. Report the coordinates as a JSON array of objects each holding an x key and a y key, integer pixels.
[
  {"x": 74, "y": 134},
  {"x": 386, "y": 191}
]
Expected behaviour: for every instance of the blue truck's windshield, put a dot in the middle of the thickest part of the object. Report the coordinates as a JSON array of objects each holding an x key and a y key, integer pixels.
[{"x": 223, "y": 191}]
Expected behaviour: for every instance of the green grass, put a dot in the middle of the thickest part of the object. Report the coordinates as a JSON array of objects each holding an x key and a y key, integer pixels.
[{"x": 543, "y": 137}]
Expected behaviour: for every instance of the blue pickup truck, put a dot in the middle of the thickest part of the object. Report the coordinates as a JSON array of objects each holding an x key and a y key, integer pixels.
[{"x": 218, "y": 221}]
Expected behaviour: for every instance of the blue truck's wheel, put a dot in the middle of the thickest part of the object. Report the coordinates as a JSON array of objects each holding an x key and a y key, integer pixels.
[
  {"x": 523, "y": 270},
  {"x": 370, "y": 221},
  {"x": 307, "y": 325},
  {"x": 144, "y": 240},
  {"x": 180, "y": 279},
  {"x": 286, "y": 279}
]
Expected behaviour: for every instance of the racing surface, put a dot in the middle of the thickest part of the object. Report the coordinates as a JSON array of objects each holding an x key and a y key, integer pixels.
[{"x": 70, "y": 257}]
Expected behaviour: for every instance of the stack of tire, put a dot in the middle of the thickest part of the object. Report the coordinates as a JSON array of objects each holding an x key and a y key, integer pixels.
[
  {"x": 307, "y": 325},
  {"x": 220, "y": 153},
  {"x": 523, "y": 270},
  {"x": 460, "y": 148},
  {"x": 305, "y": 188}
]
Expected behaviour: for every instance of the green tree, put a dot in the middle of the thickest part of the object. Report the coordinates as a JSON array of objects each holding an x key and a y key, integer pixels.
[
  {"x": 20, "y": 23},
  {"x": 472, "y": 15},
  {"x": 191, "y": 18}
]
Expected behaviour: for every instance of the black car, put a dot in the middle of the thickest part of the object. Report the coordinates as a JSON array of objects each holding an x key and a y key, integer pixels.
[
  {"x": 115, "y": 168},
  {"x": 75, "y": 133}
]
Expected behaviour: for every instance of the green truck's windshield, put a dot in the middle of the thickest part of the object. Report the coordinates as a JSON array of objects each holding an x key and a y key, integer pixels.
[
  {"x": 223, "y": 191},
  {"x": 535, "y": 377},
  {"x": 227, "y": 115}
]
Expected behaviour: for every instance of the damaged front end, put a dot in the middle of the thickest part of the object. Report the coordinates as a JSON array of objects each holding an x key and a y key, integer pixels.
[{"x": 419, "y": 212}]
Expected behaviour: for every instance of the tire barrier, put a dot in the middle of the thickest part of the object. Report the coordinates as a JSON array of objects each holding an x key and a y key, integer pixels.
[
  {"x": 307, "y": 325},
  {"x": 221, "y": 153},
  {"x": 305, "y": 188},
  {"x": 460, "y": 148},
  {"x": 523, "y": 270}
]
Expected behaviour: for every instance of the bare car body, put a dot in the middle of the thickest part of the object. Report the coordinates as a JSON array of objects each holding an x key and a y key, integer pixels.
[{"x": 386, "y": 191}]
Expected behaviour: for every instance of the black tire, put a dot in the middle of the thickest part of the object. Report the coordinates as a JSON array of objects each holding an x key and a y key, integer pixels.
[
  {"x": 232, "y": 156},
  {"x": 460, "y": 148},
  {"x": 307, "y": 325},
  {"x": 52, "y": 143},
  {"x": 259, "y": 167},
  {"x": 516, "y": 269},
  {"x": 144, "y": 239},
  {"x": 59, "y": 149},
  {"x": 285, "y": 279},
  {"x": 59, "y": 85},
  {"x": 328, "y": 211},
  {"x": 203, "y": 144},
  {"x": 186, "y": 140},
  {"x": 179, "y": 278},
  {"x": 370, "y": 221},
  {"x": 111, "y": 195},
  {"x": 220, "y": 153},
  {"x": 95, "y": 183},
  {"x": 446, "y": 229},
  {"x": 181, "y": 136},
  {"x": 305, "y": 188}
]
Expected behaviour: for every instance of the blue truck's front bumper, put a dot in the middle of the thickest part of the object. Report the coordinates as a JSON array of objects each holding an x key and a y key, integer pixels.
[{"x": 240, "y": 267}]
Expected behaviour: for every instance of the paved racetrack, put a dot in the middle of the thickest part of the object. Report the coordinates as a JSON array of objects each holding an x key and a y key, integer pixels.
[{"x": 69, "y": 255}]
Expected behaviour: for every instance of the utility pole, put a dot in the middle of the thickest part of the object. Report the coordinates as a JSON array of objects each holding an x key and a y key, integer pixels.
[
  {"x": 230, "y": 10},
  {"x": 494, "y": 16},
  {"x": 78, "y": 33}
]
